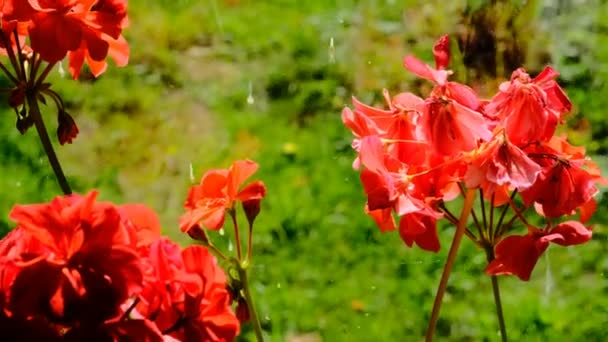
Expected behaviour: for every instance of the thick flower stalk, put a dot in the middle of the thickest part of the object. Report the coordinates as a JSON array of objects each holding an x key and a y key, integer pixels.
[
  {"x": 421, "y": 153},
  {"x": 36, "y": 35}
]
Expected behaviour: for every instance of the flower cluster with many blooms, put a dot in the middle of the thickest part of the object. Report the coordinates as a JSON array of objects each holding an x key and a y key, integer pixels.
[
  {"x": 36, "y": 35},
  {"x": 77, "y": 269},
  {"x": 423, "y": 152}
]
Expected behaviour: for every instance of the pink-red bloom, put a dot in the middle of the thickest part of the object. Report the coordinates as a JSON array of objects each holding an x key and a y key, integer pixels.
[{"x": 530, "y": 108}]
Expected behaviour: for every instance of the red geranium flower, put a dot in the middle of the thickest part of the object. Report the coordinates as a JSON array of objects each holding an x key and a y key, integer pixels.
[
  {"x": 87, "y": 260},
  {"x": 58, "y": 26},
  {"x": 450, "y": 119},
  {"x": 219, "y": 191}
]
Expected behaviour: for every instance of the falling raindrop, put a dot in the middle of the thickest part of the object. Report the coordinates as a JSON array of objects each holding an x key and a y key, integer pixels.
[
  {"x": 61, "y": 69},
  {"x": 548, "y": 276},
  {"x": 332, "y": 51},
  {"x": 192, "y": 180},
  {"x": 250, "y": 99}
]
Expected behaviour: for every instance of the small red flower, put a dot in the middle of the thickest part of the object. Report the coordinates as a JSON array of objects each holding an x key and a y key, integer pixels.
[
  {"x": 218, "y": 191},
  {"x": 497, "y": 163},
  {"x": 517, "y": 255}
]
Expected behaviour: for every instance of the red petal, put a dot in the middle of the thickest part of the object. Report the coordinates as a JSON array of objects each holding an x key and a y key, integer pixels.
[
  {"x": 423, "y": 70},
  {"x": 516, "y": 255},
  {"x": 571, "y": 232},
  {"x": 253, "y": 191},
  {"x": 239, "y": 172}
]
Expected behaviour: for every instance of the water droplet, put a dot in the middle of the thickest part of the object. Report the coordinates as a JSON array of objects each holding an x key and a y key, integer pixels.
[
  {"x": 222, "y": 231},
  {"x": 18, "y": 184},
  {"x": 332, "y": 51},
  {"x": 367, "y": 314},
  {"x": 346, "y": 179},
  {"x": 369, "y": 62},
  {"x": 230, "y": 246},
  {"x": 373, "y": 288},
  {"x": 250, "y": 99},
  {"x": 278, "y": 285}
]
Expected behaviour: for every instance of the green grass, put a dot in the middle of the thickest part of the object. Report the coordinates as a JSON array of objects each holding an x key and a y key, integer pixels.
[{"x": 321, "y": 267}]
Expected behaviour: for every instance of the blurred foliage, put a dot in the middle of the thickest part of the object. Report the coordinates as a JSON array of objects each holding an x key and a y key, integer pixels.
[{"x": 212, "y": 81}]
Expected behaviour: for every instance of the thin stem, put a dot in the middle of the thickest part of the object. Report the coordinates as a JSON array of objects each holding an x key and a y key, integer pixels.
[
  {"x": 450, "y": 217},
  {"x": 21, "y": 70},
  {"x": 237, "y": 237},
  {"x": 11, "y": 54},
  {"x": 8, "y": 74},
  {"x": 482, "y": 204},
  {"x": 505, "y": 227},
  {"x": 218, "y": 254},
  {"x": 469, "y": 198},
  {"x": 250, "y": 241},
  {"x": 46, "y": 143},
  {"x": 491, "y": 226},
  {"x": 44, "y": 74},
  {"x": 496, "y": 291},
  {"x": 36, "y": 61},
  {"x": 502, "y": 217},
  {"x": 130, "y": 309},
  {"x": 255, "y": 321}
]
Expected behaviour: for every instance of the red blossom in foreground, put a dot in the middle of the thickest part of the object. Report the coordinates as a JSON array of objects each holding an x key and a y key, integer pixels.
[
  {"x": 86, "y": 259},
  {"x": 76, "y": 269},
  {"x": 218, "y": 191},
  {"x": 518, "y": 255}
]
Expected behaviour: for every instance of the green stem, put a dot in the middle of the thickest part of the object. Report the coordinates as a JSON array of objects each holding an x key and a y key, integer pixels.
[
  {"x": 497, "y": 302},
  {"x": 255, "y": 321},
  {"x": 237, "y": 237},
  {"x": 469, "y": 197},
  {"x": 46, "y": 143}
]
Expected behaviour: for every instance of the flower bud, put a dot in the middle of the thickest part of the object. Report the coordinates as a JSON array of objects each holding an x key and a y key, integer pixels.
[{"x": 67, "y": 129}]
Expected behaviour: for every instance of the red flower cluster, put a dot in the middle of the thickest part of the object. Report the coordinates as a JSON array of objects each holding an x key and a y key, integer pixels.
[
  {"x": 420, "y": 153},
  {"x": 77, "y": 269},
  {"x": 84, "y": 30}
]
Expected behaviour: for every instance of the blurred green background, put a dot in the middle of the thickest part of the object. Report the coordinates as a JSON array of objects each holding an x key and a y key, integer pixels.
[{"x": 213, "y": 81}]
